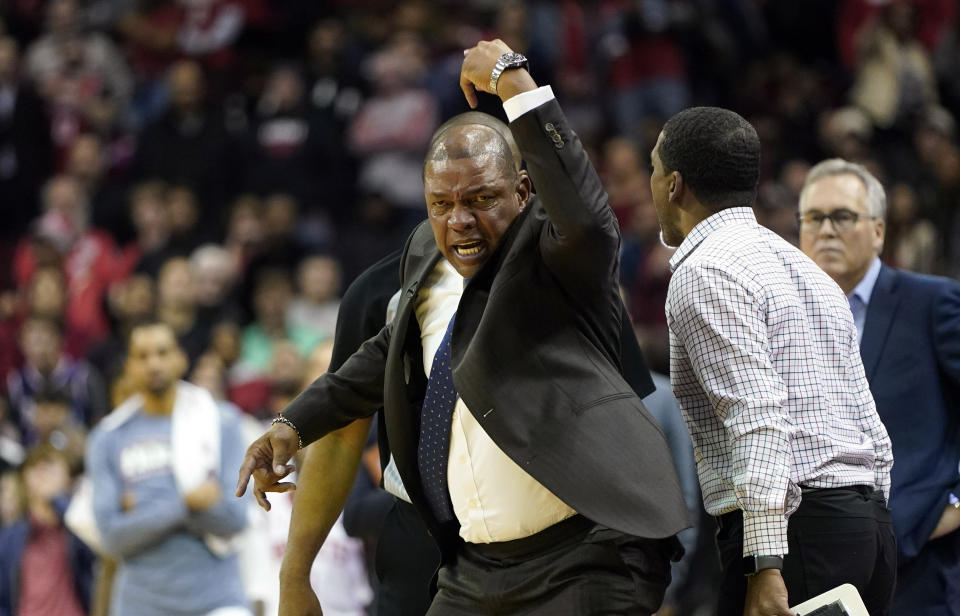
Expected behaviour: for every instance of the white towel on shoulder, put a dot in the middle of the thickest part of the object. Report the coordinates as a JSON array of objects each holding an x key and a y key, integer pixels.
[{"x": 195, "y": 453}]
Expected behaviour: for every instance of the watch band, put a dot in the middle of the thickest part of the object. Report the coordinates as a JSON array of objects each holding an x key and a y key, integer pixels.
[
  {"x": 506, "y": 61},
  {"x": 755, "y": 564}
]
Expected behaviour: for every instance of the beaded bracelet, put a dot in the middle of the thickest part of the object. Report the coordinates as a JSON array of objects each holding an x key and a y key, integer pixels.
[{"x": 284, "y": 420}]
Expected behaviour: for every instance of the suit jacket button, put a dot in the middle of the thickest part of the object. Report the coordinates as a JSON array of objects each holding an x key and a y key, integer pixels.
[{"x": 549, "y": 127}]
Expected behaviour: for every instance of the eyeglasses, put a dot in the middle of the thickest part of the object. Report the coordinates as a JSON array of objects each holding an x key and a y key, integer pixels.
[{"x": 842, "y": 219}]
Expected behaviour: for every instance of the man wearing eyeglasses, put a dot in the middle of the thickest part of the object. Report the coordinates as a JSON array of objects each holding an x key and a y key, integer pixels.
[{"x": 909, "y": 327}]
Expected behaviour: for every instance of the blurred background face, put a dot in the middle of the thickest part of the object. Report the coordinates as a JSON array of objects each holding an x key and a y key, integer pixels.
[
  {"x": 208, "y": 372},
  {"x": 155, "y": 362},
  {"x": 286, "y": 368},
  {"x": 46, "y": 478},
  {"x": 48, "y": 293},
  {"x": 279, "y": 215},
  {"x": 270, "y": 301},
  {"x": 62, "y": 17},
  {"x": 319, "y": 279},
  {"x": 845, "y": 255},
  {"x": 149, "y": 211},
  {"x": 86, "y": 162},
  {"x": 185, "y": 81},
  {"x": 50, "y": 416},
  {"x": 9, "y": 59},
  {"x": 183, "y": 211},
  {"x": 225, "y": 342},
  {"x": 175, "y": 287},
  {"x": 213, "y": 275},
  {"x": 64, "y": 196},
  {"x": 40, "y": 342}
]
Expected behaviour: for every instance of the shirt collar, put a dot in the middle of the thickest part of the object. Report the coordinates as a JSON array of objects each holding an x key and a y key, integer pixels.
[
  {"x": 864, "y": 288},
  {"x": 723, "y": 218}
]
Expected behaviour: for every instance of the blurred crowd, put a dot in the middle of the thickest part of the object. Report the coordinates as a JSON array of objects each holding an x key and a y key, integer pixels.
[{"x": 228, "y": 166}]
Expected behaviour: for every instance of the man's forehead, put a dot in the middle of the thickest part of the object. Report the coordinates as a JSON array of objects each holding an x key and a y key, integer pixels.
[
  {"x": 154, "y": 336},
  {"x": 841, "y": 190},
  {"x": 486, "y": 166}
]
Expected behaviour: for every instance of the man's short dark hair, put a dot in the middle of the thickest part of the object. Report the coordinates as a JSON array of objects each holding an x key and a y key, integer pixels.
[
  {"x": 148, "y": 323},
  {"x": 718, "y": 154}
]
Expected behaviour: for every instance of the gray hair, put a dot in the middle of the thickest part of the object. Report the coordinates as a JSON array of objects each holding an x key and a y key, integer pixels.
[
  {"x": 211, "y": 255},
  {"x": 876, "y": 200}
]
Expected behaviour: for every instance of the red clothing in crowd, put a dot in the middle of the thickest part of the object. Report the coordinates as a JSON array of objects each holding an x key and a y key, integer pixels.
[{"x": 91, "y": 266}]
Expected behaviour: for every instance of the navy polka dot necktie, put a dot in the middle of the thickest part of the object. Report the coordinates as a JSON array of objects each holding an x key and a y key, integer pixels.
[{"x": 435, "y": 424}]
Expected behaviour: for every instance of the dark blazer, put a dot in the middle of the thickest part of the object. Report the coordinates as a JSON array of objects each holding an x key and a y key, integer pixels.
[
  {"x": 911, "y": 354},
  {"x": 536, "y": 355}
]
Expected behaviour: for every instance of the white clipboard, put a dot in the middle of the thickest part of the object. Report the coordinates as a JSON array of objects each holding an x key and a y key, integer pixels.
[{"x": 847, "y": 595}]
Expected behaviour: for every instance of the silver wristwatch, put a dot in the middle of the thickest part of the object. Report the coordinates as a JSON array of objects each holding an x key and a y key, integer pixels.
[{"x": 506, "y": 61}]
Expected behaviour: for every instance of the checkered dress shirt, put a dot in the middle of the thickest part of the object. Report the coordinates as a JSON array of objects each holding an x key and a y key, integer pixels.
[{"x": 766, "y": 366}]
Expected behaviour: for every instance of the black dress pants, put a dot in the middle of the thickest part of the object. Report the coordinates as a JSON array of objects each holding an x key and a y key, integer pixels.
[
  {"x": 836, "y": 536},
  {"x": 407, "y": 558},
  {"x": 573, "y": 568}
]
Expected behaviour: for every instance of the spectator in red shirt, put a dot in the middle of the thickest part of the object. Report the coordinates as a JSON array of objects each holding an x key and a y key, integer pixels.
[{"x": 44, "y": 568}]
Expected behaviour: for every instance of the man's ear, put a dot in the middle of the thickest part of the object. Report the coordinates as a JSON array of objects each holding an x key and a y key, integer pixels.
[
  {"x": 676, "y": 187},
  {"x": 880, "y": 230},
  {"x": 524, "y": 188}
]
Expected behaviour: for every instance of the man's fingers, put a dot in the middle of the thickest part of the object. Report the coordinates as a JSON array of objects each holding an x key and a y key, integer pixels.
[
  {"x": 280, "y": 486},
  {"x": 280, "y": 458},
  {"x": 261, "y": 499},
  {"x": 249, "y": 463},
  {"x": 469, "y": 92}
]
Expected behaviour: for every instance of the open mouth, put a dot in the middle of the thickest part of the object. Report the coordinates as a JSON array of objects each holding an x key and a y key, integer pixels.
[{"x": 468, "y": 249}]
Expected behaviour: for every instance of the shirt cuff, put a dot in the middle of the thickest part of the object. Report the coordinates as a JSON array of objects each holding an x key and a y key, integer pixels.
[
  {"x": 518, "y": 105},
  {"x": 764, "y": 535}
]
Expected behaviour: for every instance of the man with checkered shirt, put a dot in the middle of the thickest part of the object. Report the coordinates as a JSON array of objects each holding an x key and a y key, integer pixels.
[{"x": 793, "y": 459}]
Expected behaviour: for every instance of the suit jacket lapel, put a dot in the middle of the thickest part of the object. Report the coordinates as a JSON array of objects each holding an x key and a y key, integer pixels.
[
  {"x": 884, "y": 302},
  {"x": 422, "y": 256}
]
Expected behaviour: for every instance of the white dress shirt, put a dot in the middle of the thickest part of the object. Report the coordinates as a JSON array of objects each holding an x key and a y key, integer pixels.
[
  {"x": 766, "y": 366},
  {"x": 493, "y": 498},
  {"x": 859, "y": 298}
]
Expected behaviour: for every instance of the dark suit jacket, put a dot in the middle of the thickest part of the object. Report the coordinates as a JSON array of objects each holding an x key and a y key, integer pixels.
[
  {"x": 536, "y": 355},
  {"x": 911, "y": 354}
]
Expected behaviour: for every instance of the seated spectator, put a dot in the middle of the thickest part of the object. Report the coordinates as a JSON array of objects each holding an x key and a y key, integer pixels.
[
  {"x": 45, "y": 365},
  {"x": 214, "y": 279},
  {"x": 129, "y": 302},
  {"x": 88, "y": 162},
  {"x": 318, "y": 302},
  {"x": 44, "y": 568},
  {"x": 895, "y": 79},
  {"x": 393, "y": 127},
  {"x": 271, "y": 300},
  {"x": 186, "y": 233},
  {"x": 911, "y": 241},
  {"x": 46, "y": 296},
  {"x": 177, "y": 306},
  {"x": 56, "y": 427},
  {"x": 89, "y": 257},
  {"x": 26, "y": 152},
  {"x": 81, "y": 74},
  {"x": 284, "y": 146},
  {"x": 188, "y": 144},
  {"x": 245, "y": 235},
  {"x": 150, "y": 215}
]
